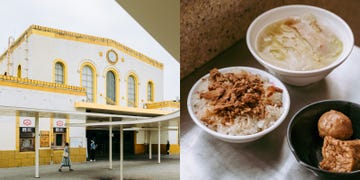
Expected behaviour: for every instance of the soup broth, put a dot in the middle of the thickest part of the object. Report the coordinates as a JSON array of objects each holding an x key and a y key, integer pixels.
[{"x": 298, "y": 43}]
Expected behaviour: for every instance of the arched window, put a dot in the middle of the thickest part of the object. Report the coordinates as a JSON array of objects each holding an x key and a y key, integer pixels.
[
  {"x": 88, "y": 82},
  {"x": 132, "y": 101},
  {"x": 110, "y": 88},
  {"x": 19, "y": 71},
  {"x": 150, "y": 91},
  {"x": 59, "y": 73}
]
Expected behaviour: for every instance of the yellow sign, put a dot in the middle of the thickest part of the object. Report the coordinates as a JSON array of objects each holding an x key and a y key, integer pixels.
[{"x": 44, "y": 138}]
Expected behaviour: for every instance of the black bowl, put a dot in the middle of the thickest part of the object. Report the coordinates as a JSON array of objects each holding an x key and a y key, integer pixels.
[{"x": 305, "y": 142}]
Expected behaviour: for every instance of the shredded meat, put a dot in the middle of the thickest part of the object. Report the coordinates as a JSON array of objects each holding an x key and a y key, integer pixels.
[
  {"x": 272, "y": 90},
  {"x": 213, "y": 94},
  {"x": 234, "y": 94}
]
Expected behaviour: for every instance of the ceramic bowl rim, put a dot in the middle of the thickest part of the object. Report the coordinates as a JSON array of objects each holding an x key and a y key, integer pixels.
[
  {"x": 292, "y": 149},
  {"x": 245, "y": 138},
  {"x": 280, "y": 70}
]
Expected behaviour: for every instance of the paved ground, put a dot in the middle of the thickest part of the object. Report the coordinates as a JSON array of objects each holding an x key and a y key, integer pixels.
[{"x": 134, "y": 168}]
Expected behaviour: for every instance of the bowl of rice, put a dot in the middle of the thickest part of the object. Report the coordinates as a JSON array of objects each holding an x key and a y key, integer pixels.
[{"x": 238, "y": 104}]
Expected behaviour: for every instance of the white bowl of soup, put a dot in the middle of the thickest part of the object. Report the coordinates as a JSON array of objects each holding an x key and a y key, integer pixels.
[{"x": 299, "y": 44}]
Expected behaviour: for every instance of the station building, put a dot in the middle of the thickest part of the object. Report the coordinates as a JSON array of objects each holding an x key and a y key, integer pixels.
[{"x": 56, "y": 70}]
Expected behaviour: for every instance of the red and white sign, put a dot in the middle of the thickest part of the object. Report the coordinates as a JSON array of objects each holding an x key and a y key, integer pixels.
[
  {"x": 27, "y": 122},
  {"x": 59, "y": 123}
]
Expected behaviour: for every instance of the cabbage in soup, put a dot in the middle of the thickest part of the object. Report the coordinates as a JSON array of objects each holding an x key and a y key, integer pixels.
[{"x": 298, "y": 43}]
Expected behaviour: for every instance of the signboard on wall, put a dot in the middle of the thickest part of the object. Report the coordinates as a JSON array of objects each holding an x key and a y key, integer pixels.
[
  {"x": 27, "y": 122},
  {"x": 59, "y": 123},
  {"x": 44, "y": 138}
]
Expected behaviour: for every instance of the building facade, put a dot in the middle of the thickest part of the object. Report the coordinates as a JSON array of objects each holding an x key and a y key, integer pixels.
[{"x": 57, "y": 70}]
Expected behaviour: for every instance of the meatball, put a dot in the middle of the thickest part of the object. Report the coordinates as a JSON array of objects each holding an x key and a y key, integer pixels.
[{"x": 335, "y": 124}]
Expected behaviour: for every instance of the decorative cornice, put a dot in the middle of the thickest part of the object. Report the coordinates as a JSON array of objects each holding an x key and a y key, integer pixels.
[
  {"x": 163, "y": 104},
  {"x": 61, "y": 34},
  {"x": 120, "y": 109},
  {"x": 41, "y": 85}
]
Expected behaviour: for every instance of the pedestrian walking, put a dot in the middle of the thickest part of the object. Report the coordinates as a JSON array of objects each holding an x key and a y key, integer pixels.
[
  {"x": 66, "y": 158},
  {"x": 168, "y": 147},
  {"x": 93, "y": 147}
]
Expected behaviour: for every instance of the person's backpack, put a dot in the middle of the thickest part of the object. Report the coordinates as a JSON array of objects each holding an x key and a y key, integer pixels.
[{"x": 93, "y": 146}]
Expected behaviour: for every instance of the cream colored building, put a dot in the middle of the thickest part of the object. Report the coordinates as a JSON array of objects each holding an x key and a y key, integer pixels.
[{"x": 57, "y": 70}]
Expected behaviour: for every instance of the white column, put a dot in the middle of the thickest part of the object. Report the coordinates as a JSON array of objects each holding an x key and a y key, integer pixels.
[
  {"x": 37, "y": 145},
  {"x": 121, "y": 151},
  {"x": 150, "y": 153},
  {"x": 110, "y": 145},
  {"x": 159, "y": 153}
]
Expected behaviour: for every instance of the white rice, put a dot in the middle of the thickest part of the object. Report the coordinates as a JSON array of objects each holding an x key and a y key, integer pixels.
[{"x": 242, "y": 125}]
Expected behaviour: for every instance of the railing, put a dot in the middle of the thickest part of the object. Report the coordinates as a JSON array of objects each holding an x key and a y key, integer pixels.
[
  {"x": 40, "y": 85},
  {"x": 132, "y": 103},
  {"x": 162, "y": 104},
  {"x": 109, "y": 101}
]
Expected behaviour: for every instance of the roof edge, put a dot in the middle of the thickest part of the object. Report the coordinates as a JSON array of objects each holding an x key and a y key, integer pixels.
[{"x": 85, "y": 38}]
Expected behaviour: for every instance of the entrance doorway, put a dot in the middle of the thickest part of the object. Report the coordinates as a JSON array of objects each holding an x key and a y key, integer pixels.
[{"x": 101, "y": 138}]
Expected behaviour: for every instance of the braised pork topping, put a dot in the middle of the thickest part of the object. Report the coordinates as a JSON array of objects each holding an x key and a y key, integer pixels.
[{"x": 234, "y": 94}]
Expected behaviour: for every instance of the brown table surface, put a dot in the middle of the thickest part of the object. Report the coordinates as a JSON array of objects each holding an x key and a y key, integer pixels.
[{"x": 205, "y": 157}]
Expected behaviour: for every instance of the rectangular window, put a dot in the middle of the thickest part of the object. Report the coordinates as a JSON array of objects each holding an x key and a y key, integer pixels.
[
  {"x": 87, "y": 83},
  {"x": 59, "y": 136},
  {"x": 150, "y": 92},
  {"x": 59, "y": 139},
  {"x": 131, "y": 92},
  {"x": 59, "y": 73},
  {"x": 27, "y": 139},
  {"x": 110, "y": 88}
]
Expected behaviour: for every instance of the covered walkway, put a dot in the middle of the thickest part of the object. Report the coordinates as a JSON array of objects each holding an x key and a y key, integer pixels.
[{"x": 126, "y": 122}]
